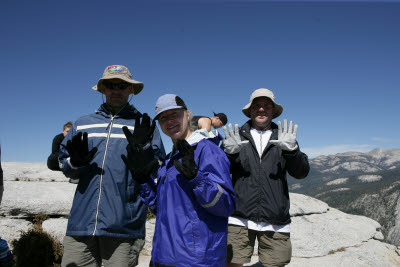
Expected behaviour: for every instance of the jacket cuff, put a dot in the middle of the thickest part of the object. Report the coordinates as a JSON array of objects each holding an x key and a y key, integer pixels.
[
  {"x": 232, "y": 157},
  {"x": 290, "y": 154},
  {"x": 198, "y": 180}
]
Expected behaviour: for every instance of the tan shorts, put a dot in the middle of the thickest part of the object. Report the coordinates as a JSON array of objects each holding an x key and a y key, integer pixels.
[{"x": 274, "y": 248}]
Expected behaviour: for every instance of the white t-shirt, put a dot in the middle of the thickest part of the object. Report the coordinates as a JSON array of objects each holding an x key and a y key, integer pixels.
[{"x": 261, "y": 139}]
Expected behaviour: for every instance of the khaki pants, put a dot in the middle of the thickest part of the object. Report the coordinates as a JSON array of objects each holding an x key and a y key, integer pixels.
[
  {"x": 274, "y": 248},
  {"x": 97, "y": 250}
]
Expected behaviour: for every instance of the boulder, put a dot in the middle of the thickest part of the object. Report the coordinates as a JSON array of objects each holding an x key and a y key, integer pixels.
[
  {"x": 25, "y": 198},
  {"x": 316, "y": 235},
  {"x": 11, "y": 229},
  {"x": 35, "y": 172}
]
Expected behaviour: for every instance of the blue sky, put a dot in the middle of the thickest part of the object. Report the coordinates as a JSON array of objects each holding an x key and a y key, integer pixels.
[{"x": 334, "y": 66}]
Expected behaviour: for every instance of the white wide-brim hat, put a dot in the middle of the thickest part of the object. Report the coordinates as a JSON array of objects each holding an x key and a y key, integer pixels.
[
  {"x": 262, "y": 92},
  {"x": 122, "y": 73}
]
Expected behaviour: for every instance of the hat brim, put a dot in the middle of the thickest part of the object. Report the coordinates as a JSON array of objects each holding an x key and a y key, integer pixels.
[
  {"x": 277, "y": 110},
  {"x": 167, "y": 108},
  {"x": 137, "y": 86}
]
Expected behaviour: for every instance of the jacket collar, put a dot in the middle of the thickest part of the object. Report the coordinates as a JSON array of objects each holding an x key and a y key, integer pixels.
[
  {"x": 194, "y": 139},
  {"x": 201, "y": 134},
  {"x": 127, "y": 111},
  {"x": 245, "y": 132}
]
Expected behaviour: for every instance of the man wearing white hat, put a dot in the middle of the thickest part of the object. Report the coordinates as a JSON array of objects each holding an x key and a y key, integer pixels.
[
  {"x": 106, "y": 225},
  {"x": 261, "y": 154}
]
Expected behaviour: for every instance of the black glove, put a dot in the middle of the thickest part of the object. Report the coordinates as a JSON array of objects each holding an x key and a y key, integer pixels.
[
  {"x": 140, "y": 163},
  {"x": 188, "y": 166},
  {"x": 78, "y": 150},
  {"x": 143, "y": 132}
]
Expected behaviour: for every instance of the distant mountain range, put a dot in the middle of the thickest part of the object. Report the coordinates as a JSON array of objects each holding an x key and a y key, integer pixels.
[{"x": 365, "y": 184}]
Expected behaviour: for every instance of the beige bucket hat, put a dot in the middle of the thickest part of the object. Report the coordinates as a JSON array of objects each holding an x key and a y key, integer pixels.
[
  {"x": 262, "y": 92},
  {"x": 119, "y": 72}
]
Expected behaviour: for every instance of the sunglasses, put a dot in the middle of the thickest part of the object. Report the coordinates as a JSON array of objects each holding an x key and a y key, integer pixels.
[{"x": 112, "y": 86}]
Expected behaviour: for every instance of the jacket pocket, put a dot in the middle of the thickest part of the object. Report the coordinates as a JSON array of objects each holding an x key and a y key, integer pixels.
[
  {"x": 235, "y": 229},
  {"x": 130, "y": 193},
  {"x": 193, "y": 239},
  {"x": 132, "y": 202},
  {"x": 245, "y": 167},
  {"x": 281, "y": 236}
]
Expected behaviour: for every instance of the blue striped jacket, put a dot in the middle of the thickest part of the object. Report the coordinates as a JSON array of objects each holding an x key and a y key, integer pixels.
[{"x": 107, "y": 200}]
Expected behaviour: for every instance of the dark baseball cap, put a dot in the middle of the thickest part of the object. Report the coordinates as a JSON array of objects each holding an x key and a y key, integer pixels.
[{"x": 222, "y": 117}]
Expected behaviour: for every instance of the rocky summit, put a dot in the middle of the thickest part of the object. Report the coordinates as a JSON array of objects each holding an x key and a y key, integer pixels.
[
  {"x": 365, "y": 184},
  {"x": 321, "y": 235}
]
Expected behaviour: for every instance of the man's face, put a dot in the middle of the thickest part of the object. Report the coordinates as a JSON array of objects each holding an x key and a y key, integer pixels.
[
  {"x": 261, "y": 111},
  {"x": 217, "y": 123},
  {"x": 66, "y": 130},
  {"x": 174, "y": 123},
  {"x": 116, "y": 97}
]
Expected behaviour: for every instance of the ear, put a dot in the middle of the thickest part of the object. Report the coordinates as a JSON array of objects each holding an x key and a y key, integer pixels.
[
  {"x": 131, "y": 90},
  {"x": 100, "y": 88}
]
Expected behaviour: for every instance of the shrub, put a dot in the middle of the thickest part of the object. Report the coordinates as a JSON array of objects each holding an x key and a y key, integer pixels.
[
  {"x": 37, "y": 248},
  {"x": 39, "y": 219}
]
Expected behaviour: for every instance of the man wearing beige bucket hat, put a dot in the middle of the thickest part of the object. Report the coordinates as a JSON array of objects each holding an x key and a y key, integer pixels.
[
  {"x": 261, "y": 154},
  {"x": 106, "y": 225}
]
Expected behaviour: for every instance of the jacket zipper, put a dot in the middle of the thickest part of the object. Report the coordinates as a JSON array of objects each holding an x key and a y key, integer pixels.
[
  {"x": 261, "y": 146},
  {"x": 259, "y": 175},
  {"x": 101, "y": 176}
]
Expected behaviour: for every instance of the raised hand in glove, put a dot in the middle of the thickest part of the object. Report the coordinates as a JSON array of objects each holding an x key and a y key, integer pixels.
[
  {"x": 143, "y": 132},
  {"x": 140, "y": 160},
  {"x": 188, "y": 166},
  {"x": 232, "y": 142},
  {"x": 139, "y": 163},
  {"x": 286, "y": 137},
  {"x": 78, "y": 150}
]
